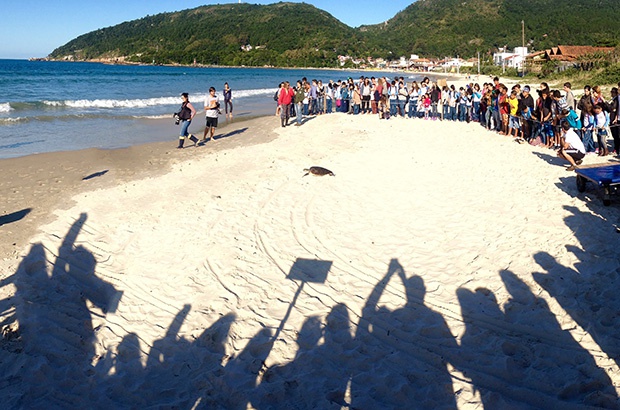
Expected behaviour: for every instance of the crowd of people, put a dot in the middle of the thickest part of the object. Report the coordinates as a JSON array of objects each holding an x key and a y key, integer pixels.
[{"x": 538, "y": 119}]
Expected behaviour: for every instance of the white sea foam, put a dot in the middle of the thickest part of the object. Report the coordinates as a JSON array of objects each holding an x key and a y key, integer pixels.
[
  {"x": 5, "y": 107},
  {"x": 252, "y": 93},
  {"x": 148, "y": 102},
  {"x": 12, "y": 120},
  {"x": 153, "y": 117}
]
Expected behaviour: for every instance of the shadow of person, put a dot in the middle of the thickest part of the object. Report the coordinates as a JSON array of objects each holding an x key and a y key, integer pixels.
[
  {"x": 164, "y": 349},
  {"x": 521, "y": 358},
  {"x": 232, "y": 133},
  {"x": 74, "y": 282},
  {"x": 402, "y": 353},
  {"x": 551, "y": 159},
  {"x": 290, "y": 385},
  {"x": 128, "y": 374},
  {"x": 179, "y": 372},
  {"x": 569, "y": 370},
  {"x": 244, "y": 372},
  {"x": 318, "y": 375},
  {"x": 338, "y": 351},
  {"x": 589, "y": 297},
  {"x": 587, "y": 290},
  {"x": 55, "y": 323}
]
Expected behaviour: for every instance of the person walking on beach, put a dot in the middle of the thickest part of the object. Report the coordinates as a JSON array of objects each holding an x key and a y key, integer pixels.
[
  {"x": 212, "y": 109},
  {"x": 228, "y": 100},
  {"x": 185, "y": 115}
]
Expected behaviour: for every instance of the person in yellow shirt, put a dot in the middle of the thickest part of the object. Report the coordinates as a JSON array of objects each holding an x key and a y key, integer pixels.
[{"x": 514, "y": 123}]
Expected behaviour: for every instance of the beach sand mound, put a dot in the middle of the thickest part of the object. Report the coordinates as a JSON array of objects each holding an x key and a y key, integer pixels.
[{"x": 444, "y": 267}]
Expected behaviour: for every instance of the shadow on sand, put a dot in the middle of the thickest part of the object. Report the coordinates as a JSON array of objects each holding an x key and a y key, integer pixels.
[
  {"x": 516, "y": 355},
  {"x": 552, "y": 158},
  {"x": 14, "y": 216}
]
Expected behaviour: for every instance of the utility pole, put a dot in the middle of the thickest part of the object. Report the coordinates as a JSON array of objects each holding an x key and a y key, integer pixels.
[
  {"x": 523, "y": 47},
  {"x": 478, "y": 64}
]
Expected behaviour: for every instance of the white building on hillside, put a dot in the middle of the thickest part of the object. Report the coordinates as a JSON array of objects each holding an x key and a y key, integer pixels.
[{"x": 513, "y": 60}]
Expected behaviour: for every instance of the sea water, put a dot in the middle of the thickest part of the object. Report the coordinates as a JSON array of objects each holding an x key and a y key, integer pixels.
[{"x": 58, "y": 106}]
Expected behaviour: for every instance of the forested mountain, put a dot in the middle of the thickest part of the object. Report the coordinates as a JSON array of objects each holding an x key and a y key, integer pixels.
[
  {"x": 282, "y": 34},
  {"x": 463, "y": 27},
  {"x": 298, "y": 34}
]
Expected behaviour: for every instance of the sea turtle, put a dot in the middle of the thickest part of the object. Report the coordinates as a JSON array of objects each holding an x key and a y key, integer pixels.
[{"x": 318, "y": 171}]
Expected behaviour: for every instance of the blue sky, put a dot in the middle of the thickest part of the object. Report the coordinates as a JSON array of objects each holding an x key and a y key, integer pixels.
[{"x": 34, "y": 28}]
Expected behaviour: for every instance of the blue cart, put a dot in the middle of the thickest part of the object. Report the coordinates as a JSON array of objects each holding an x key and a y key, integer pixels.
[{"x": 606, "y": 176}]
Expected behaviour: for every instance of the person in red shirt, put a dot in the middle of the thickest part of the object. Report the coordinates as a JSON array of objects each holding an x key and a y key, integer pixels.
[
  {"x": 496, "y": 84},
  {"x": 284, "y": 102}
]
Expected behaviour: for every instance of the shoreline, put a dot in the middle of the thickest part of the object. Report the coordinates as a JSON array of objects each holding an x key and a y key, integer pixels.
[
  {"x": 365, "y": 70},
  {"x": 42, "y": 183},
  {"x": 37, "y": 185}
]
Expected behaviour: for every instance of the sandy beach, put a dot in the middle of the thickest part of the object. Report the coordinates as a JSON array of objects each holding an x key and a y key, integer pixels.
[{"x": 442, "y": 267}]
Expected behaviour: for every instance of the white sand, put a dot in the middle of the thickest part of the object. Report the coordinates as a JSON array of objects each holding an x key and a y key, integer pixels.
[{"x": 442, "y": 267}]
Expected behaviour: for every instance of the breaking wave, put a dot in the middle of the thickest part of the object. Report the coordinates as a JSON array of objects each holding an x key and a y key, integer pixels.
[{"x": 147, "y": 102}]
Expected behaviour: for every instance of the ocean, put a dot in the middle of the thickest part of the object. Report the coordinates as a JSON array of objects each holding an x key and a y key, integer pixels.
[{"x": 50, "y": 106}]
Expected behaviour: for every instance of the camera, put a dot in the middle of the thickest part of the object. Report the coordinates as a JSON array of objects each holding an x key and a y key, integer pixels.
[
  {"x": 217, "y": 107},
  {"x": 177, "y": 119}
]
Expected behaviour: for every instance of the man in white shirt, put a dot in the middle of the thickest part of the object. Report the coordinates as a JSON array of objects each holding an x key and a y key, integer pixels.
[
  {"x": 212, "y": 109},
  {"x": 572, "y": 148}
]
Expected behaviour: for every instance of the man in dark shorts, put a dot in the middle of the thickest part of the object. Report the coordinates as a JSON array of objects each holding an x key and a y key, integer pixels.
[
  {"x": 212, "y": 109},
  {"x": 572, "y": 149}
]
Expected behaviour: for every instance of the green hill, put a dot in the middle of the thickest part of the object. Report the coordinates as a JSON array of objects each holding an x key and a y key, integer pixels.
[
  {"x": 298, "y": 34},
  {"x": 282, "y": 34},
  {"x": 463, "y": 27}
]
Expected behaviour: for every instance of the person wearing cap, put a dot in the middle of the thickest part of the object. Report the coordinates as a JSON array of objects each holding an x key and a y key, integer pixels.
[{"x": 185, "y": 115}]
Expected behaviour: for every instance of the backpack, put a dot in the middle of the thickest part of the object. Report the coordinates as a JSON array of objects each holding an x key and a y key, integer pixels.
[
  {"x": 573, "y": 120},
  {"x": 276, "y": 95},
  {"x": 184, "y": 113}
]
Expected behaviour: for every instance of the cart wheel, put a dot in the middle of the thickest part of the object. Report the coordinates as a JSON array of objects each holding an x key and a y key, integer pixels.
[
  {"x": 607, "y": 197},
  {"x": 581, "y": 183}
]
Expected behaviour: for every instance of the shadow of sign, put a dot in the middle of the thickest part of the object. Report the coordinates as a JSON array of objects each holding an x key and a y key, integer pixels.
[{"x": 304, "y": 271}]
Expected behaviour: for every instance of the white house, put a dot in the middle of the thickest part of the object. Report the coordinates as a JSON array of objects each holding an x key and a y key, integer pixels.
[{"x": 513, "y": 60}]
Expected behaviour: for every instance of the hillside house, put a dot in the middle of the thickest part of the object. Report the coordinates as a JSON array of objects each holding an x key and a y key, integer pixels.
[
  {"x": 582, "y": 57},
  {"x": 512, "y": 59}
]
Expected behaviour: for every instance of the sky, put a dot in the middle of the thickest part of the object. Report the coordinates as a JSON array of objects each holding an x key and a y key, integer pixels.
[{"x": 34, "y": 28}]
